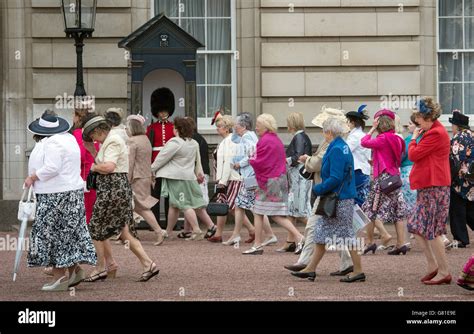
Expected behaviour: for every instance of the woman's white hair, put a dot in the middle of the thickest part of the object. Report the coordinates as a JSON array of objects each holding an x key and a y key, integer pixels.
[{"x": 335, "y": 126}]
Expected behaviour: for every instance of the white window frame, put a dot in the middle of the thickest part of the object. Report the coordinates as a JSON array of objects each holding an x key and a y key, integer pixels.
[
  {"x": 461, "y": 52},
  {"x": 205, "y": 123}
]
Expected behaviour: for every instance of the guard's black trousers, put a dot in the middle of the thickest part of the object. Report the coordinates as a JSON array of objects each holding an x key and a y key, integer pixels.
[
  {"x": 461, "y": 215},
  {"x": 156, "y": 192}
]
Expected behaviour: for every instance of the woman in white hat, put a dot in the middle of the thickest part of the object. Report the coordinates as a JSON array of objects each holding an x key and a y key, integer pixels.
[{"x": 59, "y": 237}]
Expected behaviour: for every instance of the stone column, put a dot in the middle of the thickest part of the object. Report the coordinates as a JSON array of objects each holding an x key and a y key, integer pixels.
[{"x": 190, "y": 90}]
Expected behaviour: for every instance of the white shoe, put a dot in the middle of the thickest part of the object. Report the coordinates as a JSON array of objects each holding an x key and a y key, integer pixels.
[
  {"x": 232, "y": 241},
  {"x": 59, "y": 285},
  {"x": 270, "y": 241}
]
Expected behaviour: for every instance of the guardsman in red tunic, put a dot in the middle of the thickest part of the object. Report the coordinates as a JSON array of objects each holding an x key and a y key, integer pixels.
[{"x": 159, "y": 133}]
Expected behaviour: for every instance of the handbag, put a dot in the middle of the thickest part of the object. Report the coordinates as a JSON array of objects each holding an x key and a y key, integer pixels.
[
  {"x": 91, "y": 180},
  {"x": 328, "y": 203},
  {"x": 250, "y": 183},
  {"x": 305, "y": 174},
  {"x": 217, "y": 209},
  {"x": 27, "y": 205},
  {"x": 392, "y": 183}
]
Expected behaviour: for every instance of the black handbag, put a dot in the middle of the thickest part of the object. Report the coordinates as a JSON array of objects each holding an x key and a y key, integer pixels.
[
  {"x": 328, "y": 203},
  {"x": 91, "y": 182},
  {"x": 392, "y": 183},
  {"x": 217, "y": 209},
  {"x": 305, "y": 174}
]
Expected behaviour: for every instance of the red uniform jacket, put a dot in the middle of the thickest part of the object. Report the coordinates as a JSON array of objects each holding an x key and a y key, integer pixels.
[
  {"x": 160, "y": 132},
  {"x": 430, "y": 159}
]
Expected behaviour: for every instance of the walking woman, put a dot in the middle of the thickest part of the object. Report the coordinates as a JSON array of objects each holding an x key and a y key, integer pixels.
[
  {"x": 387, "y": 150},
  {"x": 59, "y": 237},
  {"x": 140, "y": 174},
  {"x": 356, "y": 121},
  {"x": 461, "y": 207},
  {"x": 337, "y": 177},
  {"x": 86, "y": 157},
  {"x": 299, "y": 198},
  {"x": 246, "y": 141},
  {"x": 228, "y": 179},
  {"x": 431, "y": 177},
  {"x": 269, "y": 164},
  {"x": 408, "y": 194},
  {"x": 179, "y": 167},
  {"x": 113, "y": 213}
]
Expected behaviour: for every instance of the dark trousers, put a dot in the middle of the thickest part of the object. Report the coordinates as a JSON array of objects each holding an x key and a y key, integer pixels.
[
  {"x": 156, "y": 192},
  {"x": 461, "y": 215}
]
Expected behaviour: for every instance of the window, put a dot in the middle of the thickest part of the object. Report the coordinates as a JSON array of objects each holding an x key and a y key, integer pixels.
[
  {"x": 210, "y": 22},
  {"x": 456, "y": 55}
]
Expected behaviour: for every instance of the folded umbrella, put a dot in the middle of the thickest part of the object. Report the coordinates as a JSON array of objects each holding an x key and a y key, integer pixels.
[{"x": 26, "y": 212}]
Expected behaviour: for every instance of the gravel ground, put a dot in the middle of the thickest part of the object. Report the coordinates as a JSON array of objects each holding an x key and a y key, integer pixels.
[{"x": 202, "y": 271}]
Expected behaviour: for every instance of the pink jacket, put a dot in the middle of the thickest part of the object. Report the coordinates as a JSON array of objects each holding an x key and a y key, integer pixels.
[
  {"x": 387, "y": 150},
  {"x": 269, "y": 160}
]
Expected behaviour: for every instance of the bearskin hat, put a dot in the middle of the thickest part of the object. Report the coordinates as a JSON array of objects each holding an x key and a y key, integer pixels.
[{"x": 162, "y": 99}]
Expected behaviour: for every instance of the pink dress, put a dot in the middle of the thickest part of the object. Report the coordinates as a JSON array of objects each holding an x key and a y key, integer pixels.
[{"x": 86, "y": 162}]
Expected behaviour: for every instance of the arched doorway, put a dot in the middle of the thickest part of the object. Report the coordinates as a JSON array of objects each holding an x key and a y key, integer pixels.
[{"x": 164, "y": 78}]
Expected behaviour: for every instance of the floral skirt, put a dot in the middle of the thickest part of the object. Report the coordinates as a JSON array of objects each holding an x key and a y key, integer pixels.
[
  {"x": 299, "y": 197},
  {"x": 330, "y": 230},
  {"x": 59, "y": 236},
  {"x": 362, "y": 182},
  {"x": 232, "y": 190},
  {"x": 273, "y": 200},
  {"x": 408, "y": 194},
  {"x": 246, "y": 198},
  {"x": 430, "y": 213},
  {"x": 112, "y": 208},
  {"x": 389, "y": 208}
]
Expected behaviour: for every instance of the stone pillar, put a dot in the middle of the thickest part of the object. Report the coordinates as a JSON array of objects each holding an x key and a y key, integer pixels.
[{"x": 190, "y": 90}]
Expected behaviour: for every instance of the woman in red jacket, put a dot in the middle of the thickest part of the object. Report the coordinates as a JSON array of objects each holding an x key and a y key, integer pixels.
[{"x": 431, "y": 177}]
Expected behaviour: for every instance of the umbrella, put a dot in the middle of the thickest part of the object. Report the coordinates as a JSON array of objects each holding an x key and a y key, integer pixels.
[{"x": 26, "y": 211}]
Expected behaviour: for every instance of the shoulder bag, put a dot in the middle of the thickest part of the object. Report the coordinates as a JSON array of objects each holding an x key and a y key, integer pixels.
[{"x": 328, "y": 203}]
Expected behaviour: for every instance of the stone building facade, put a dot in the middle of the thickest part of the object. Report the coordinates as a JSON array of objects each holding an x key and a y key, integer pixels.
[{"x": 282, "y": 56}]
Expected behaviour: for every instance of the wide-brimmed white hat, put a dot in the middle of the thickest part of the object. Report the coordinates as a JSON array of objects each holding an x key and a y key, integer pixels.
[
  {"x": 327, "y": 113},
  {"x": 118, "y": 111}
]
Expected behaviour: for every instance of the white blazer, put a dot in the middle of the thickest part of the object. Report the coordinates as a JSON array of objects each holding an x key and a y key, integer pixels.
[{"x": 225, "y": 153}]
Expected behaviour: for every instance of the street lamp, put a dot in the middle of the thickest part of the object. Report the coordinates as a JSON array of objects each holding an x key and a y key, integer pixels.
[{"x": 79, "y": 21}]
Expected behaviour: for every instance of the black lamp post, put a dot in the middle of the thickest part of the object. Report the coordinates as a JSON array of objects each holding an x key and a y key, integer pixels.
[{"x": 79, "y": 21}]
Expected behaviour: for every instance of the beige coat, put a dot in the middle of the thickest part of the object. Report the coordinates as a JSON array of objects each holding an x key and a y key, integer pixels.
[
  {"x": 178, "y": 160},
  {"x": 139, "y": 157},
  {"x": 313, "y": 165}
]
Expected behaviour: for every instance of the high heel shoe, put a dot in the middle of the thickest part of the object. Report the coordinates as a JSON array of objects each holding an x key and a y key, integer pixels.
[
  {"x": 97, "y": 276},
  {"x": 445, "y": 280},
  {"x": 371, "y": 247},
  {"x": 112, "y": 270},
  {"x": 151, "y": 272},
  {"x": 196, "y": 236},
  {"x": 76, "y": 278},
  {"x": 301, "y": 274},
  {"x": 232, "y": 241},
  {"x": 397, "y": 251}
]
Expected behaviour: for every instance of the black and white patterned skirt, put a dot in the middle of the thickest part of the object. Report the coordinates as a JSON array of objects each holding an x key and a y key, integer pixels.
[
  {"x": 112, "y": 208},
  {"x": 59, "y": 236}
]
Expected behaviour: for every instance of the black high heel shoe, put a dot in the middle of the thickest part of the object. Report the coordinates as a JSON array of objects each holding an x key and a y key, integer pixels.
[
  {"x": 309, "y": 275},
  {"x": 371, "y": 247},
  {"x": 397, "y": 251}
]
